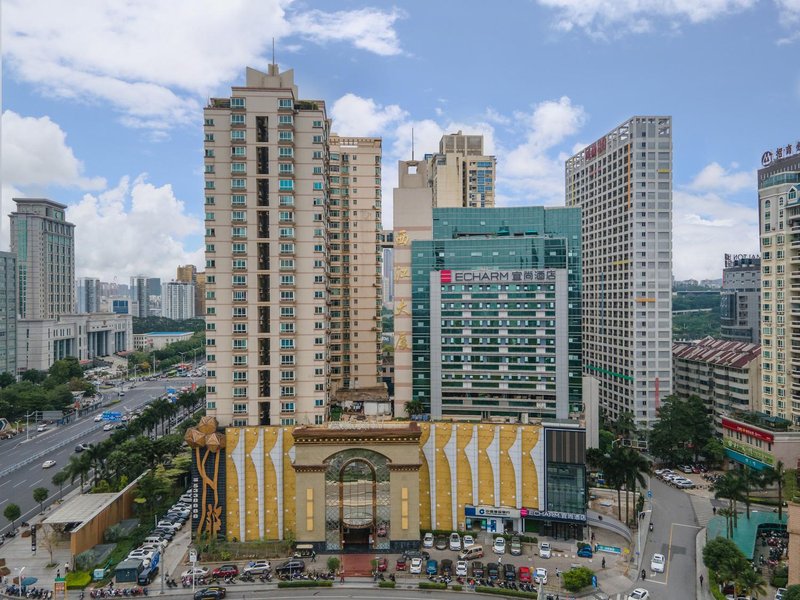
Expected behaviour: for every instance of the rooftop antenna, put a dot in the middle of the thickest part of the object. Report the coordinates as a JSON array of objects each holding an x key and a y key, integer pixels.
[
  {"x": 273, "y": 51},
  {"x": 412, "y": 143}
]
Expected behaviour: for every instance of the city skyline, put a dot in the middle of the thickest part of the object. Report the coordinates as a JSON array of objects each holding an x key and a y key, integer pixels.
[{"x": 117, "y": 134}]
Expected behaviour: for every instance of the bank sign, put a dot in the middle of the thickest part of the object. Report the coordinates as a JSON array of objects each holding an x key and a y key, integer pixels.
[{"x": 484, "y": 276}]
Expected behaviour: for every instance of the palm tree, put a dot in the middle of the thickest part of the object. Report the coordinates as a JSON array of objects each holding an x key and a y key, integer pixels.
[
  {"x": 750, "y": 479},
  {"x": 730, "y": 487},
  {"x": 728, "y": 514},
  {"x": 776, "y": 475},
  {"x": 60, "y": 479},
  {"x": 750, "y": 583},
  {"x": 78, "y": 466},
  {"x": 636, "y": 465},
  {"x": 97, "y": 459},
  {"x": 614, "y": 470}
]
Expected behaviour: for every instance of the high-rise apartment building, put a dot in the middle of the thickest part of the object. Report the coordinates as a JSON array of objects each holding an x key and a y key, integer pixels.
[
  {"x": 461, "y": 174},
  {"x": 140, "y": 295},
  {"x": 88, "y": 289},
  {"x": 779, "y": 222},
  {"x": 354, "y": 262},
  {"x": 8, "y": 313},
  {"x": 187, "y": 273},
  {"x": 281, "y": 226},
  {"x": 740, "y": 299},
  {"x": 44, "y": 244},
  {"x": 153, "y": 286},
  {"x": 177, "y": 300},
  {"x": 200, "y": 295},
  {"x": 623, "y": 184}
]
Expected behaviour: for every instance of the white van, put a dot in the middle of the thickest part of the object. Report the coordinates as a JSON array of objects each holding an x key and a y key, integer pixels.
[{"x": 471, "y": 553}]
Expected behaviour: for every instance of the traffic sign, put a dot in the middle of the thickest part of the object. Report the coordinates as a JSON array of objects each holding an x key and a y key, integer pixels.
[
  {"x": 649, "y": 493},
  {"x": 192, "y": 555}
]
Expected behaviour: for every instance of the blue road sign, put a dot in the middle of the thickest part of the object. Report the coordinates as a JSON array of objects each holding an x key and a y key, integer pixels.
[
  {"x": 649, "y": 493},
  {"x": 112, "y": 416}
]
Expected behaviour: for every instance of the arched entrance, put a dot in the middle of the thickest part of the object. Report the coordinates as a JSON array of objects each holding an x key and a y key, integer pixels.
[{"x": 357, "y": 501}]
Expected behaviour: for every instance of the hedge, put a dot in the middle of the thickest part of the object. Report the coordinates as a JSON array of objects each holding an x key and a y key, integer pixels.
[
  {"x": 504, "y": 592},
  {"x": 457, "y": 587},
  {"x": 446, "y": 533},
  {"x": 302, "y": 583},
  {"x": 429, "y": 585},
  {"x": 386, "y": 584},
  {"x": 713, "y": 586},
  {"x": 77, "y": 580}
]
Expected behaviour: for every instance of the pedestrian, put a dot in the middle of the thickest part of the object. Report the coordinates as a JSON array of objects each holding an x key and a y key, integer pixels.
[
  {"x": 603, "y": 564},
  {"x": 714, "y": 510},
  {"x": 58, "y": 573},
  {"x": 701, "y": 581},
  {"x": 593, "y": 536},
  {"x": 313, "y": 556},
  {"x": 66, "y": 568},
  {"x": 341, "y": 576},
  {"x": 558, "y": 572}
]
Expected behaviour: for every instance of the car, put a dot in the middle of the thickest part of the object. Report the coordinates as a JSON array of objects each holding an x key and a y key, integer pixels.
[
  {"x": 515, "y": 548},
  {"x": 401, "y": 563},
  {"x": 524, "y": 574},
  {"x": 477, "y": 569},
  {"x": 383, "y": 564},
  {"x": 585, "y": 552},
  {"x": 467, "y": 542},
  {"x": 639, "y": 594},
  {"x": 108, "y": 427},
  {"x": 120, "y": 426},
  {"x": 293, "y": 565},
  {"x": 455, "y": 542},
  {"x": 657, "y": 563},
  {"x": 98, "y": 418},
  {"x": 416, "y": 566},
  {"x": 432, "y": 568},
  {"x": 168, "y": 524},
  {"x": 122, "y": 393},
  {"x": 544, "y": 550},
  {"x": 447, "y": 566},
  {"x": 441, "y": 543},
  {"x": 141, "y": 553},
  {"x": 214, "y": 592},
  {"x": 687, "y": 469},
  {"x": 226, "y": 571},
  {"x": 509, "y": 572},
  {"x": 779, "y": 593},
  {"x": 48, "y": 463},
  {"x": 499, "y": 546},
  {"x": 163, "y": 532},
  {"x": 82, "y": 447},
  {"x": 41, "y": 428},
  {"x": 660, "y": 472},
  {"x": 540, "y": 576},
  {"x": 461, "y": 568},
  {"x": 493, "y": 570},
  {"x": 257, "y": 567},
  {"x": 196, "y": 571}
]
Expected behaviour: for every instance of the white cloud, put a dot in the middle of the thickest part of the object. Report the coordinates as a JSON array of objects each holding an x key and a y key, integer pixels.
[
  {"x": 357, "y": 116},
  {"x": 35, "y": 153},
  {"x": 705, "y": 227},
  {"x": 369, "y": 29},
  {"x": 716, "y": 178},
  {"x": 133, "y": 228},
  {"x": 789, "y": 16},
  {"x": 599, "y": 17},
  {"x": 132, "y": 55}
]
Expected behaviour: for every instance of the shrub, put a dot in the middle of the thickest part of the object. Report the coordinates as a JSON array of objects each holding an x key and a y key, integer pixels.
[
  {"x": 457, "y": 587},
  {"x": 77, "y": 580},
  {"x": 780, "y": 577},
  {"x": 113, "y": 534},
  {"x": 577, "y": 579},
  {"x": 429, "y": 585},
  {"x": 303, "y": 583},
  {"x": 504, "y": 592},
  {"x": 386, "y": 584},
  {"x": 333, "y": 564}
]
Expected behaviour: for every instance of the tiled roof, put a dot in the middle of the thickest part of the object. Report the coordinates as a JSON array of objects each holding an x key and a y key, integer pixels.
[{"x": 725, "y": 353}]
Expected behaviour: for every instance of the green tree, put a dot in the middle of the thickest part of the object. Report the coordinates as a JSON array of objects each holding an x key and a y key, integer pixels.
[
  {"x": 6, "y": 379},
  {"x": 792, "y": 593},
  {"x": 750, "y": 583},
  {"x": 682, "y": 431},
  {"x": 731, "y": 487},
  {"x": 714, "y": 451},
  {"x": 12, "y": 512},
  {"x": 40, "y": 494},
  {"x": 33, "y": 376},
  {"x": 636, "y": 466},
  {"x": 414, "y": 407},
  {"x": 750, "y": 479},
  {"x": 60, "y": 479},
  {"x": 612, "y": 464},
  {"x": 333, "y": 564},
  {"x": 723, "y": 556},
  {"x": 577, "y": 579},
  {"x": 777, "y": 476},
  {"x": 64, "y": 370}
]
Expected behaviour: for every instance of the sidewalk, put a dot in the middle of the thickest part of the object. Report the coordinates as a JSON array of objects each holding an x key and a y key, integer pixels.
[{"x": 704, "y": 593}]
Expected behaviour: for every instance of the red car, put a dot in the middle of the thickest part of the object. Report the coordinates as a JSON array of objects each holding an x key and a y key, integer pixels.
[
  {"x": 401, "y": 564},
  {"x": 524, "y": 574},
  {"x": 383, "y": 564},
  {"x": 226, "y": 571}
]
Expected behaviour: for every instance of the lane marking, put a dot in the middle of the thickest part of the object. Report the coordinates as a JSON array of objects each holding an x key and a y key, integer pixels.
[
  {"x": 669, "y": 553},
  {"x": 20, "y": 483},
  {"x": 35, "y": 482},
  {"x": 685, "y": 525}
]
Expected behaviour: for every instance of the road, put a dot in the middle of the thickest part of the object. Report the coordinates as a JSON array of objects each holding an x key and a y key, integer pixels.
[
  {"x": 674, "y": 533},
  {"x": 17, "y": 487}
]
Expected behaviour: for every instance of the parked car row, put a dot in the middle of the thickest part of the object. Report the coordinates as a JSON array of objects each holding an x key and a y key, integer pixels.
[
  {"x": 155, "y": 543},
  {"x": 671, "y": 477}
]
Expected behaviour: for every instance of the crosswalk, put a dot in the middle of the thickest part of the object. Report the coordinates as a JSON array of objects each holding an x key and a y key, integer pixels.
[{"x": 702, "y": 509}]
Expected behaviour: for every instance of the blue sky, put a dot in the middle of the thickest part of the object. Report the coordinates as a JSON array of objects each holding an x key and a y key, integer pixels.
[{"x": 102, "y": 101}]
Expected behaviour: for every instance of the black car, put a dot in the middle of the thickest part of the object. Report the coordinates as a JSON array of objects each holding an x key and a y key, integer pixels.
[
  {"x": 477, "y": 569},
  {"x": 510, "y": 572},
  {"x": 447, "y": 567},
  {"x": 214, "y": 592},
  {"x": 425, "y": 556},
  {"x": 492, "y": 570},
  {"x": 293, "y": 565},
  {"x": 166, "y": 534}
]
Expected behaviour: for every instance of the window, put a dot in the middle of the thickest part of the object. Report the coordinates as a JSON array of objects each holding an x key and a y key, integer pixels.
[
  {"x": 285, "y": 136},
  {"x": 210, "y": 200},
  {"x": 238, "y": 135},
  {"x": 211, "y": 295},
  {"x": 285, "y": 119},
  {"x": 239, "y": 248},
  {"x": 286, "y": 184},
  {"x": 287, "y": 200},
  {"x": 239, "y": 408},
  {"x": 287, "y": 279},
  {"x": 237, "y": 102},
  {"x": 285, "y": 103},
  {"x": 287, "y": 344},
  {"x": 286, "y": 168},
  {"x": 238, "y": 167},
  {"x": 209, "y": 216},
  {"x": 238, "y": 215},
  {"x": 239, "y": 296},
  {"x": 239, "y": 392},
  {"x": 211, "y": 248},
  {"x": 287, "y": 248},
  {"x": 238, "y": 183},
  {"x": 317, "y": 185},
  {"x": 287, "y": 311},
  {"x": 287, "y": 232},
  {"x": 239, "y": 232},
  {"x": 239, "y": 280},
  {"x": 286, "y": 215},
  {"x": 240, "y": 328},
  {"x": 317, "y": 139},
  {"x": 209, "y": 122},
  {"x": 209, "y": 137},
  {"x": 209, "y": 185},
  {"x": 286, "y": 151},
  {"x": 239, "y": 344},
  {"x": 237, "y": 119},
  {"x": 287, "y": 295},
  {"x": 238, "y": 199},
  {"x": 239, "y": 151}
]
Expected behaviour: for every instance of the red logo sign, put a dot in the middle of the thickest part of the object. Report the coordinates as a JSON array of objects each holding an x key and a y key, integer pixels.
[
  {"x": 745, "y": 430},
  {"x": 445, "y": 276}
]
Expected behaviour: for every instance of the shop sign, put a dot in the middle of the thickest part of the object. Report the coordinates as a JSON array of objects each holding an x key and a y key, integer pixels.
[
  {"x": 761, "y": 455},
  {"x": 552, "y": 515},
  {"x": 745, "y": 460},
  {"x": 491, "y": 511},
  {"x": 746, "y": 430},
  {"x": 768, "y": 157},
  {"x": 448, "y": 276},
  {"x": 608, "y": 549}
]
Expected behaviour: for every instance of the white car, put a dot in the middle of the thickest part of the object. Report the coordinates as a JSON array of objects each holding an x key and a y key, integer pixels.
[
  {"x": 639, "y": 594},
  {"x": 461, "y": 568},
  {"x": 467, "y": 541},
  {"x": 197, "y": 572},
  {"x": 540, "y": 576},
  {"x": 455, "y": 542},
  {"x": 108, "y": 427},
  {"x": 416, "y": 566},
  {"x": 48, "y": 463},
  {"x": 544, "y": 550},
  {"x": 257, "y": 567},
  {"x": 657, "y": 563},
  {"x": 427, "y": 540},
  {"x": 499, "y": 546},
  {"x": 170, "y": 525},
  {"x": 41, "y": 428},
  {"x": 98, "y": 418}
]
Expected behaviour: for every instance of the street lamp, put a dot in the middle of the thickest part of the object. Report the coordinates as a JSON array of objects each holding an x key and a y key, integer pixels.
[{"x": 27, "y": 429}]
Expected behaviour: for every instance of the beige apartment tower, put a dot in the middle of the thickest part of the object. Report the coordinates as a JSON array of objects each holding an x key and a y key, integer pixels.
[
  {"x": 269, "y": 258},
  {"x": 460, "y": 174}
]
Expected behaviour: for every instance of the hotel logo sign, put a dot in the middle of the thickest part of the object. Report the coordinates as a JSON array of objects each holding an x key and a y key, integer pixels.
[
  {"x": 768, "y": 157},
  {"x": 521, "y": 276}
]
